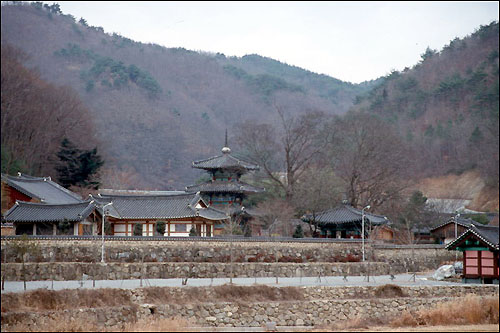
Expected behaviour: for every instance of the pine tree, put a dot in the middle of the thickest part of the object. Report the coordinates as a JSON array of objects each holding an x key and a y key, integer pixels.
[
  {"x": 78, "y": 167},
  {"x": 298, "y": 232}
]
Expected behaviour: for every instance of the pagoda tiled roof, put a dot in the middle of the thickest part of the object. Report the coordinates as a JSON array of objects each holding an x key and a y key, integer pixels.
[
  {"x": 226, "y": 160},
  {"x": 344, "y": 214},
  {"x": 38, "y": 212},
  {"x": 41, "y": 188},
  {"x": 173, "y": 206},
  {"x": 487, "y": 234},
  {"x": 219, "y": 186}
]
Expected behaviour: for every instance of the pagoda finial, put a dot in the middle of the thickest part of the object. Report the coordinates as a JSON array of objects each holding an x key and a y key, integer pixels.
[{"x": 226, "y": 149}]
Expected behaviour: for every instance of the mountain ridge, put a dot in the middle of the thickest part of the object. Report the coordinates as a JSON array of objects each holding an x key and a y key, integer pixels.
[{"x": 157, "y": 109}]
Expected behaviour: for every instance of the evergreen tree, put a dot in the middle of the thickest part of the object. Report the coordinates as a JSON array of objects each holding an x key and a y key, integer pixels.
[
  {"x": 138, "y": 229},
  {"x": 193, "y": 232},
  {"x": 298, "y": 232},
  {"x": 160, "y": 227},
  {"x": 78, "y": 167}
]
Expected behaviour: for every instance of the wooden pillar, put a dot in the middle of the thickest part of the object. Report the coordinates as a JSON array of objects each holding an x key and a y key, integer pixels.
[{"x": 495, "y": 264}]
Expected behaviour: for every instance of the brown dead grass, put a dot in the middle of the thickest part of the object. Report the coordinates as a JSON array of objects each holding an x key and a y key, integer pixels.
[
  {"x": 258, "y": 293},
  {"x": 470, "y": 310},
  {"x": 389, "y": 291},
  {"x": 224, "y": 293},
  {"x": 43, "y": 299},
  {"x": 81, "y": 325}
]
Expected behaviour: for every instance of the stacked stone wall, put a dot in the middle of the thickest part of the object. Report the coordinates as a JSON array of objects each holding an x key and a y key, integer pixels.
[
  {"x": 70, "y": 259},
  {"x": 320, "y": 306}
]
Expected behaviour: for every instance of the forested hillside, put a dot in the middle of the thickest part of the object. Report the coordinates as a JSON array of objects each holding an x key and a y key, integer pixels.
[
  {"x": 157, "y": 109},
  {"x": 446, "y": 106}
]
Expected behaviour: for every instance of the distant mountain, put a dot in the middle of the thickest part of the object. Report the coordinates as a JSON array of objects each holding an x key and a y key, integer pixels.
[
  {"x": 157, "y": 109},
  {"x": 447, "y": 106}
]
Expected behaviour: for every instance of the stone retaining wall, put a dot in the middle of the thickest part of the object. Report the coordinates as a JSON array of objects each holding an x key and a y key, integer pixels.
[
  {"x": 335, "y": 304},
  {"x": 117, "y": 271},
  {"x": 400, "y": 260}
]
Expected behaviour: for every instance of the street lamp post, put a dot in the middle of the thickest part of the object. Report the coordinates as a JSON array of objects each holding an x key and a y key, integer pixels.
[
  {"x": 456, "y": 231},
  {"x": 102, "y": 230},
  {"x": 363, "y": 229}
]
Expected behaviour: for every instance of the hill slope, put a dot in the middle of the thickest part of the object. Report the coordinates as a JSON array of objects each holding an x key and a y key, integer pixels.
[
  {"x": 447, "y": 107},
  {"x": 158, "y": 109}
]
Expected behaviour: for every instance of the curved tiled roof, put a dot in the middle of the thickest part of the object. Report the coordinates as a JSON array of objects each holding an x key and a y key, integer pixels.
[
  {"x": 345, "y": 214},
  {"x": 224, "y": 186},
  {"x": 38, "y": 212},
  {"x": 224, "y": 161},
  {"x": 487, "y": 234},
  {"x": 158, "y": 207},
  {"x": 464, "y": 222},
  {"x": 41, "y": 188}
]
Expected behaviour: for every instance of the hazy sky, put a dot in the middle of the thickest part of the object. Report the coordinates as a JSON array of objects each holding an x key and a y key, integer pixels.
[{"x": 351, "y": 41}]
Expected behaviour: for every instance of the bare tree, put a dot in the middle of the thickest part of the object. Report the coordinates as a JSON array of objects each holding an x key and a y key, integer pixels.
[
  {"x": 276, "y": 215},
  {"x": 369, "y": 157},
  {"x": 284, "y": 152},
  {"x": 411, "y": 217},
  {"x": 318, "y": 190},
  {"x": 37, "y": 115}
]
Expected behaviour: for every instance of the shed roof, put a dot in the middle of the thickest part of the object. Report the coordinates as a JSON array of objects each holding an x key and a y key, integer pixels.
[
  {"x": 344, "y": 214},
  {"x": 159, "y": 207},
  {"x": 38, "y": 212},
  {"x": 41, "y": 188},
  {"x": 487, "y": 234}
]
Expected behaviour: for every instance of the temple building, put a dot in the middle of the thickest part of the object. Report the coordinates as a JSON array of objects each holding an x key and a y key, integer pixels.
[
  {"x": 141, "y": 215},
  {"x": 345, "y": 221},
  {"x": 225, "y": 191},
  {"x": 479, "y": 245}
]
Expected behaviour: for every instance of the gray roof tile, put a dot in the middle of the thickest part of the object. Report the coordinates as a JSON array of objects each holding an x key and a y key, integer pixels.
[
  {"x": 345, "y": 214},
  {"x": 224, "y": 186},
  {"x": 158, "y": 207},
  {"x": 41, "y": 188},
  {"x": 38, "y": 212},
  {"x": 464, "y": 222},
  {"x": 488, "y": 234},
  {"x": 224, "y": 161}
]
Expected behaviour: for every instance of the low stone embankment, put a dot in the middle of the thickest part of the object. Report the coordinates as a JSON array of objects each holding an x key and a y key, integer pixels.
[
  {"x": 173, "y": 258},
  {"x": 118, "y": 271},
  {"x": 308, "y": 306}
]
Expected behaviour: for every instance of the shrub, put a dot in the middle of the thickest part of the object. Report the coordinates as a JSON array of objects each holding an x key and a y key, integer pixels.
[
  {"x": 389, "y": 291},
  {"x": 138, "y": 229},
  {"x": 160, "y": 227},
  {"x": 298, "y": 232}
]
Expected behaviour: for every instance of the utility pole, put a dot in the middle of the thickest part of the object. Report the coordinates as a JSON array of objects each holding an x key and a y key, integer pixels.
[{"x": 102, "y": 230}]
